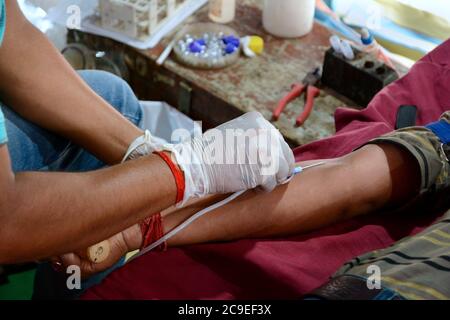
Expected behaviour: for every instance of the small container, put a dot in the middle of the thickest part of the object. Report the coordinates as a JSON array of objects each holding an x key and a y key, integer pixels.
[
  {"x": 222, "y": 11},
  {"x": 372, "y": 47},
  {"x": 199, "y": 30},
  {"x": 288, "y": 18}
]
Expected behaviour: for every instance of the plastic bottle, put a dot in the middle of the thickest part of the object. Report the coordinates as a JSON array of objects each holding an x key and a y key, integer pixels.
[
  {"x": 371, "y": 46},
  {"x": 288, "y": 18},
  {"x": 222, "y": 11}
]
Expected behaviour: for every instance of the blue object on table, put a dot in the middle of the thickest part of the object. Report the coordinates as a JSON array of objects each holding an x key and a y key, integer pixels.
[
  {"x": 201, "y": 42},
  {"x": 337, "y": 25},
  {"x": 195, "y": 47},
  {"x": 230, "y": 48},
  {"x": 369, "y": 40},
  {"x": 389, "y": 31},
  {"x": 231, "y": 40}
]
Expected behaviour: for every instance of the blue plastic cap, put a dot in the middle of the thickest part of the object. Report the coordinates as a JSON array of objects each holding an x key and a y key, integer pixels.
[
  {"x": 230, "y": 48},
  {"x": 195, "y": 47},
  {"x": 201, "y": 42},
  {"x": 366, "y": 37},
  {"x": 232, "y": 40},
  {"x": 298, "y": 170}
]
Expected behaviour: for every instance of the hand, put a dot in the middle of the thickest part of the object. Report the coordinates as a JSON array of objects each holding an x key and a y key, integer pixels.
[
  {"x": 121, "y": 244},
  {"x": 242, "y": 154},
  {"x": 124, "y": 242}
]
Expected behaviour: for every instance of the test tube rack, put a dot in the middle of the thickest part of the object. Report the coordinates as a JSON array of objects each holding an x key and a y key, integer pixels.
[{"x": 138, "y": 19}]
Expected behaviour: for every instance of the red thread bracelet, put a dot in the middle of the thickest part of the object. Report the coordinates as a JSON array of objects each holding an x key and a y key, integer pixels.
[
  {"x": 152, "y": 230},
  {"x": 177, "y": 174}
]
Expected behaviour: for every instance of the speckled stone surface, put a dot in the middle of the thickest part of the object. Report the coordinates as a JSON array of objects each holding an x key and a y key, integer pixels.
[{"x": 259, "y": 83}]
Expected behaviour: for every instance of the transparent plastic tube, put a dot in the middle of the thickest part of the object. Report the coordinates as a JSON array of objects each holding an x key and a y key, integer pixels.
[
  {"x": 205, "y": 211},
  {"x": 188, "y": 222}
]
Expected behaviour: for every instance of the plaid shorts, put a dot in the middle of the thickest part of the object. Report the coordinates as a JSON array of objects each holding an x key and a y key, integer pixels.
[
  {"x": 427, "y": 149},
  {"x": 417, "y": 267}
]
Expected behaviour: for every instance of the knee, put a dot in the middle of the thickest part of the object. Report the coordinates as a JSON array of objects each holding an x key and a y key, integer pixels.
[{"x": 115, "y": 91}]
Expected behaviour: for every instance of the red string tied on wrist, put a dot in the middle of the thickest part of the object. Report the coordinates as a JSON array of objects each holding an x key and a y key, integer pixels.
[
  {"x": 152, "y": 230},
  {"x": 177, "y": 174}
]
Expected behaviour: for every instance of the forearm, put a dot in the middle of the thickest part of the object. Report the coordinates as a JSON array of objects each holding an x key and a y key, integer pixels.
[
  {"x": 48, "y": 214},
  {"x": 360, "y": 183},
  {"x": 42, "y": 87},
  {"x": 370, "y": 179}
]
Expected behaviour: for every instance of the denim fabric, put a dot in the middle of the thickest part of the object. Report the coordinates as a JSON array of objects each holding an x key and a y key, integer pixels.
[
  {"x": 2, "y": 20},
  {"x": 35, "y": 149},
  {"x": 3, "y": 135}
]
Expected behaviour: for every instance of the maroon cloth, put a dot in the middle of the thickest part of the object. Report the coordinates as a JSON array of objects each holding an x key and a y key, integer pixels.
[{"x": 289, "y": 268}]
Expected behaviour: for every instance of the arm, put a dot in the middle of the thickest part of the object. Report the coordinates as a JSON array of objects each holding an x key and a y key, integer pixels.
[
  {"x": 46, "y": 214},
  {"x": 42, "y": 87},
  {"x": 370, "y": 179}
]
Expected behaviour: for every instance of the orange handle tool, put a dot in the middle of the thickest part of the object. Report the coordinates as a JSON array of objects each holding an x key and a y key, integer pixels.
[
  {"x": 297, "y": 90},
  {"x": 311, "y": 94}
]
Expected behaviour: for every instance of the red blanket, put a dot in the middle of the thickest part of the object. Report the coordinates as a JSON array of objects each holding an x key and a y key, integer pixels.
[{"x": 291, "y": 267}]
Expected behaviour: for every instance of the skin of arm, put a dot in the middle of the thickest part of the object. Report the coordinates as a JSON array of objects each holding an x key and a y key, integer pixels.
[
  {"x": 370, "y": 179},
  {"x": 373, "y": 178},
  {"x": 47, "y": 214},
  {"x": 44, "y": 89}
]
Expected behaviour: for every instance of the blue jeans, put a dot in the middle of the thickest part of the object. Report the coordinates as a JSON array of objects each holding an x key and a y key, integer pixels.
[{"x": 34, "y": 149}]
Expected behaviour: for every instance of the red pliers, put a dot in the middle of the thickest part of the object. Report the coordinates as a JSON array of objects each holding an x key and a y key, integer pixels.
[{"x": 312, "y": 92}]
